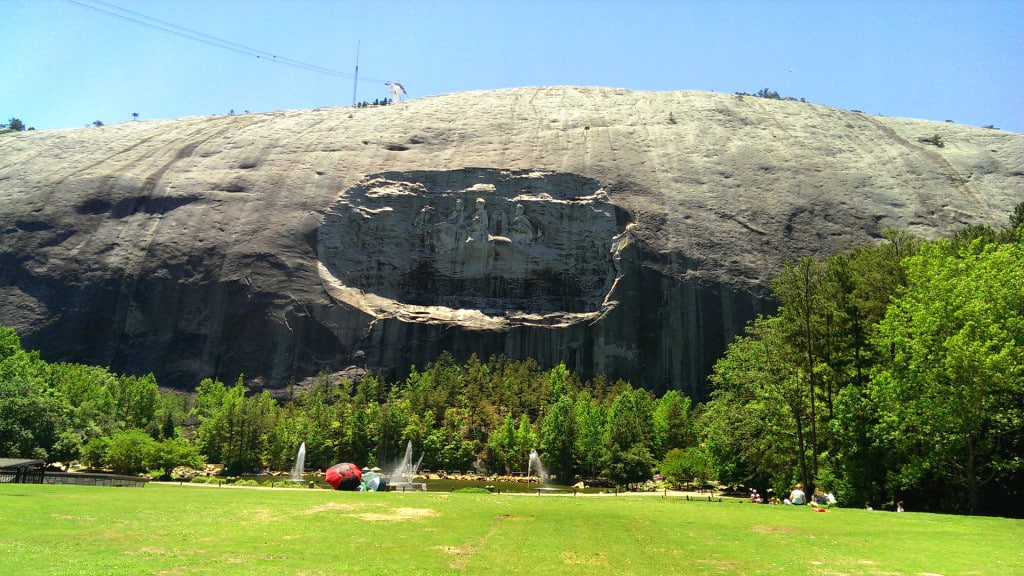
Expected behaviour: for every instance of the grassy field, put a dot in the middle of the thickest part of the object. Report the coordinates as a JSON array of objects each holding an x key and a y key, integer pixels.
[{"x": 171, "y": 529}]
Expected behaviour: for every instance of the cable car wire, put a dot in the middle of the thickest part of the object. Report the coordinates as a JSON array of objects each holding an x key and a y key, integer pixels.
[{"x": 170, "y": 28}]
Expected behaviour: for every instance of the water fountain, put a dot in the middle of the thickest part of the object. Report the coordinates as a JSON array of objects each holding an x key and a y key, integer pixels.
[
  {"x": 535, "y": 466},
  {"x": 404, "y": 473},
  {"x": 300, "y": 464}
]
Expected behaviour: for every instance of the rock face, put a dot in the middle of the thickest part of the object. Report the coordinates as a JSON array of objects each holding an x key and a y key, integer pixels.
[
  {"x": 535, "y": 249},
  {"x": 624, "y": 233}
]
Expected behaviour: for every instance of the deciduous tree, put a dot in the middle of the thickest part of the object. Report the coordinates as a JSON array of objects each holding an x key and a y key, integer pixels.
[{"x": 950, "y": 400}]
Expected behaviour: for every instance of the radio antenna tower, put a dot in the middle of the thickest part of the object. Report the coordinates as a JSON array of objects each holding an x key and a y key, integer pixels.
[{"x": 355, "y": 78}]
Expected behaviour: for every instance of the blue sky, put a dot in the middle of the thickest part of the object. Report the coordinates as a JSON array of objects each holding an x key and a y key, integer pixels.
[{"x": 65, "y": 65}]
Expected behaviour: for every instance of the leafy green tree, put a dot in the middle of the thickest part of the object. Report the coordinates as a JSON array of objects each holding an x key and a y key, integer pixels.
[
  {"x": 802, "y": 327},
  {"x": 526, "y": 442},
  {"x": 630, "y": 419},
  {"x": 672, "y": 425},
  {"x": 318, "y": 417},
  {"x": 10, "y": 344},
  {"x": 234, "y": 430},
  {"x": 858, "y": 469},
  {"x": 171, "y": 413},
  {"x": 259, "y": 417},
  {"x": 558, "y": 438},
  {"x": 127, "y": 451},
  {"x": 590, "y": 448},
  {"x": 477, "y": 397},
  {"x": 1017, "y": 219},
  {"x": 135, "y": 401},
  {"x": 435, "y": 389},
  {"x": 291, "y": 429},
  {"x": 212, "y": 406},
  {"x": 502, "y": 445},
  {"x": 94, "y": 453},
  {"x": 166, "y": 455},
  {"x": 629, "y": 437},
  {"x": 88, "y": 391},
  {"x": 562, "y": 382},
  {"x": 950, "y": 401},
  {"x": 684, "y": 465},
  {"x": 859, "y": 286},
  {"x": 32, "y": 416},
  {"x": 362, "y": 432},
  {"x": 394, "y": 418},
  {"x": 630, "y": 466},
  {"x": 15, "y": 124},
  {"x": 752, "y": 427}
]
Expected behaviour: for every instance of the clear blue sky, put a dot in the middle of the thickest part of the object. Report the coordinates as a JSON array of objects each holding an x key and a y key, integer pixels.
[{"x": 64, "y": 65}]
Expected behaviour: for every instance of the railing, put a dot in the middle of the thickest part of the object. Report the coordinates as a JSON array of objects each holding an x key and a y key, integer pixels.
[
  {"x": 22, "y": 475},
  {"x": 89, "y": 479}
]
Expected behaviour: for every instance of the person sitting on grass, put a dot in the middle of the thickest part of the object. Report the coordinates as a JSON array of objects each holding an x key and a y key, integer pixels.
[
  {"x": 796, "y": 497},
  {"x": 819, "y": 499}
]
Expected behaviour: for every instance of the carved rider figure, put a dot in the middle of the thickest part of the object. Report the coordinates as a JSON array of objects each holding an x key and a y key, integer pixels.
[{"x": 522, "y": 228}]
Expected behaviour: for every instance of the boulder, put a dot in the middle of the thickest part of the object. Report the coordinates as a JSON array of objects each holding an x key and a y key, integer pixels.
[{"x": 630, "y": 234}]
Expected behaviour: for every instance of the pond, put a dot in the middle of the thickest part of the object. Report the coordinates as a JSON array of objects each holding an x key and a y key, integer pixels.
[{"x": 434, "y": 484}]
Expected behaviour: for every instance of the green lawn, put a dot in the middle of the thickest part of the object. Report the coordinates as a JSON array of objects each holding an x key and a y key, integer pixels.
[{"x": 171, "y": 529}]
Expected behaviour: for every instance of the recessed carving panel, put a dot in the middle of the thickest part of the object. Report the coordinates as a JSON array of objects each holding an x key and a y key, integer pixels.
[{"x": 473, "y": 245}]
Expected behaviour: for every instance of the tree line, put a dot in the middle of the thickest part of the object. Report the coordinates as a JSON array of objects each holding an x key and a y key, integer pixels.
[
  {"x": 891, "y": 372},
  {"x": 484, "y": 416}
]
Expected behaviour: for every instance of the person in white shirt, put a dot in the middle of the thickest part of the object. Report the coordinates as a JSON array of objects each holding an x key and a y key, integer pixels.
[{"x": 797, "y": 497}]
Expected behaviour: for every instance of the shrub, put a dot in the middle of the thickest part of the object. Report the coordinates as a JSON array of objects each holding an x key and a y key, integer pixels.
[
  {"x": 682, "y": 465},
  {"x": 127, "y": 450},
  {"x": 94, "y": 453}
]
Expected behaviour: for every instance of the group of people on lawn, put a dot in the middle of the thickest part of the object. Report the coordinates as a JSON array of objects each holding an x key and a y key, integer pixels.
[
  {"x": 797, "y": 498},
  {"x": 819, "y": 499}
]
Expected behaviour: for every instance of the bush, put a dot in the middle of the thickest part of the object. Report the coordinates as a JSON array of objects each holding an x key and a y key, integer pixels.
[
  {"x": 471, "y": 490},
  {"x": 127, "y": 451},
  {"x": 686, "y": 465},
  {"x": 94, "y": 453}
]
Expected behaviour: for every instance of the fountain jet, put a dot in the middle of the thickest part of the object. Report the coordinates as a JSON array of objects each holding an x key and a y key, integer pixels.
[
  {"x": 536, "y": 467},
  {"x": 300, "y": 464}
]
